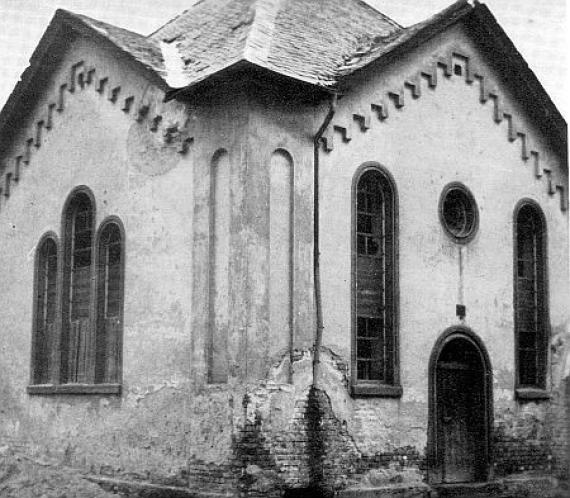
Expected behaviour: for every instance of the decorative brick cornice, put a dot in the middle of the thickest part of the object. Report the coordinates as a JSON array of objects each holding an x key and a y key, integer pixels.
[
  {"x": 455, "y": 63},
  {"x": 81, "y": 77}
]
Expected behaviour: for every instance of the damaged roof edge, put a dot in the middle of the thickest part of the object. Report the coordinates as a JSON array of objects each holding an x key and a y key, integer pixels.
[
  {"x": 80, "y": 24},
  {"x": 61, "y": 20},
  {"x": 376, "y": 11},
  {"x": 485, "y": 20},
  {"x": 547, "y": 115},
  {"x": 412, "y": 36},
  {"x": 126, "y": 43},
  {"x": 240, "y": 65}
]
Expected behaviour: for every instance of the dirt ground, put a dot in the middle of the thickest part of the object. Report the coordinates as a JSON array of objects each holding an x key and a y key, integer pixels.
[{"x": 24, "y": 477}]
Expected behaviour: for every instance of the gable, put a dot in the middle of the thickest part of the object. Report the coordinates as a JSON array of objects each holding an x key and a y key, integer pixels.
[
  {"x": 491, "y": 40},
  {"x": 131, "y": 49},
  {"x": 450, "y": 92},
  {"x": 87, "y": 100}
]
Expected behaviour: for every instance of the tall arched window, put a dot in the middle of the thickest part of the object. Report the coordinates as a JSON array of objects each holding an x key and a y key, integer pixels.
[
  {"x": 45, "y": 310},
  {"x": 77, "y": 345},
  {"x": 77, "y": 337},
  {"x": 375, "y": 321},
  {"x": 109, "y": 302},
  {"x": 530, "y": 293}
]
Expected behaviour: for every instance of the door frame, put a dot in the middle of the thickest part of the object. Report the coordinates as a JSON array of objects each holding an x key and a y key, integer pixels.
[{"x": 435, "y": 467}]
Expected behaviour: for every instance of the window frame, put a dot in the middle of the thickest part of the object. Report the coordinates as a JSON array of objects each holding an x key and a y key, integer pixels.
[
  {"x": 539, "y": 390},
  {"x": 35, "y": 311},
  {"x": 473, "y": 229},
  {"x": 111, "y": 220},
  {"x": 63, "y": 289},
  {"x": 67, "y": 274},
  {"x": 376, "y": 387}
]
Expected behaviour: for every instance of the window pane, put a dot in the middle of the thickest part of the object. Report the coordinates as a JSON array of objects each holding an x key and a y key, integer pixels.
[
  {"x": 376, "y": 370},
  {"x": 364, "y": 223},
  {"x": 527, "y": 340},
  {"x": 530, "y": 297},
  {"x": 362, "y": 200},
  {"x": 364, "y": 348},
  {"x": 375, "y": 327},
  {"x": 363, "y": 369},
  {"x": 114, "y": 254},
  {"x": 374, "y": 247},
  {"x": 82, "y": 219},
  {"x": 82, "y": 258},
  {"x": 361, "y": 244},
  {"x": 81, "y": 287},
  {"x": 45, "y": 310},
  {"x": 527, "y": 365},
  {"x": 82, "y": 239}
]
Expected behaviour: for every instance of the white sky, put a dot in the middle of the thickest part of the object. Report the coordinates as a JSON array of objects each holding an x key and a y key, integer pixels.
[{"x": 537, "y": 27}]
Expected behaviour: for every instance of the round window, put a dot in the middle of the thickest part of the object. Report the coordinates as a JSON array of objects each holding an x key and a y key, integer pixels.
[{"x": 458, "y": 212}]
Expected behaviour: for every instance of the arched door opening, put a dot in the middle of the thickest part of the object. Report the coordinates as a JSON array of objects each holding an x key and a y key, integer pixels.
[{"x": 460, "y": 409}]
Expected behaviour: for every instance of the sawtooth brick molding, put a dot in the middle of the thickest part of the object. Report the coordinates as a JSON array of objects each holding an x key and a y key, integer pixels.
[
  {"x": 80, "y": 77},
  {"x": 455, "y": 63}
]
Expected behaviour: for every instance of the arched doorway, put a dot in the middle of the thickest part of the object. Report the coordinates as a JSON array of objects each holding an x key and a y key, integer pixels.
[{"x": 459, "y": 438}]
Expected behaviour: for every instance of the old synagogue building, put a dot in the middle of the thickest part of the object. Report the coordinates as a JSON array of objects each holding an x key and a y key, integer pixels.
[{"x": 285, "y": 245}]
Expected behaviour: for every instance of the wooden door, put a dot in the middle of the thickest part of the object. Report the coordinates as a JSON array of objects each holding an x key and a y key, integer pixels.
[{"x": 461, "y": 421}]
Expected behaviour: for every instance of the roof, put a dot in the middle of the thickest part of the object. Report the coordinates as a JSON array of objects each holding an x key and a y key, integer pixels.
[
  {"x": 380, "y": 46},
  {"x": 318, "y": 42},
  {"x": 143, "y": 49},
  {"x": 306, "y": 40}
]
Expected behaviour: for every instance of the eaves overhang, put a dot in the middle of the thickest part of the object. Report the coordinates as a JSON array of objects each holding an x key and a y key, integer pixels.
[
  {"x": 243, "y": 69},
  {"x": 64, "y": 27},
  {"x": 501, "y": 51}
]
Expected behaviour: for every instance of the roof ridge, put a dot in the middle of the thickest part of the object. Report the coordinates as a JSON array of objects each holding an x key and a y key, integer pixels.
[
  {"x": 196, "y": 4},
  {"x": 170, "y": 21},
  {"x": 259, "y": 37},
  {"x": 455, "y": 6},
  {"x": 376, "y": 11},
  {"x": 84, "y": 18}
]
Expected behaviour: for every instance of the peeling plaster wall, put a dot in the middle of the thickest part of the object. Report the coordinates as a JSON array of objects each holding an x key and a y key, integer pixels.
[
  {"x": 161, "y": 421},
  {"x": 445, "y": 134},
  {"x": 169, "y": 426},
  {"x": 266, "y": 429}
]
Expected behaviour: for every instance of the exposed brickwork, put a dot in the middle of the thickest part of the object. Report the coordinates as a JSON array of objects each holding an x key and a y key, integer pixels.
[
  {"x": 314, "y": 451},
  {"x": 399, "y": 460},
  {"x": 521, "y": 444},
  {"x": 560, "y": 422},
  {"x": 516, "y": 455}
]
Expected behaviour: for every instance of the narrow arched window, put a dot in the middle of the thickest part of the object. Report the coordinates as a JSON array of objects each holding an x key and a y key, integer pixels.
[
  {"x": 375, "y": 340},
  {"x": 77, "y": 337},
  {"x": 45, "y": 311},
  {"x": 531, "y": 307},
  {"x": 109, "y": 303},
  {"x": 219, "y": 285}
]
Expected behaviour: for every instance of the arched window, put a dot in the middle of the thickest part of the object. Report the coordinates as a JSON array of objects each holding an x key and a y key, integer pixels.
[
  {"x": 281, "y": 198},
  {"x": 531, "y": 306},
  {"x": 109, "y": 303},
  {"x": 77, "y": 337},
  {"x": 77, "y": 345},
  {"x": 45, "y": 310},
  {"x": 374, "y": 323},
  {"x": 220, "y": 219}
]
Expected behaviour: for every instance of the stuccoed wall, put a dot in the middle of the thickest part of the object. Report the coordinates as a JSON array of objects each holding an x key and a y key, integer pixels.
[
  {"x": 168, "y": 424},
  {"x": 441, "y": 135},
  {"x": 265, "y": 429}
]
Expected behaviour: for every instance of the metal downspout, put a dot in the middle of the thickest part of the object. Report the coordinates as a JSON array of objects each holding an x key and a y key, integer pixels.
[{"x": 316, "y": 248}]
